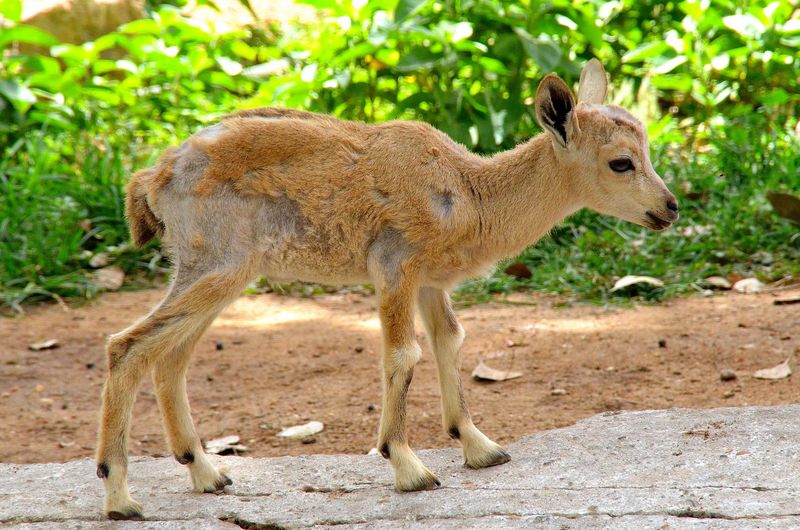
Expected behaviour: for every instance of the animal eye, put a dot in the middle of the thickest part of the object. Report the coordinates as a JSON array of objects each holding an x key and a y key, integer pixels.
[{"x": 621, "y": 165}]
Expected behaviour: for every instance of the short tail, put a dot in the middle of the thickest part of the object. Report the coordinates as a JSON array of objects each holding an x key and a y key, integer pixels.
[{"x": 143, "y": 223}]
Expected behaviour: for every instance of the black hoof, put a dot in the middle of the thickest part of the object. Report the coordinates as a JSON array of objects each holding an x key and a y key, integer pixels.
[
  {"x": 220, "y": 484},
  {"x": 495, "y": 458},
  {"x": 424, "y": 484},
  {"x": 500, "y": 458},
  {"x": 132, "y": 515}
]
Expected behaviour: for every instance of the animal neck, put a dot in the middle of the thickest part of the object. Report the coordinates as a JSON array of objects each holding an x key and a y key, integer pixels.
[{"x": 522, "y": 194}]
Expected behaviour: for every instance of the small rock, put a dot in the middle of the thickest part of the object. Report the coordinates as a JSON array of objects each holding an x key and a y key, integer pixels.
[
  {"x": 371, "y": 407},
  {"x": 558, "y": 392},
  {"x": 373, "y": 451},
  {"x": 99, "y": 260},
  {"x": 219, "y": 345},
  {"x": 39, "y": 389},
  {"x": 359, "y": 349},
  {"x": 727, "y": 374},
  {"x": 109, "y": 278},
  {"x": 748, "y": 286},
  {"x": 611, "y": 369},
  {"x": 662, "y": 343},
  {"x": 728, "y": 394},
  {"x": 89, "y": 366},
  {"x": 46, "y": 401},
  {"x": 309, "y": 440},
  {"x": 718, "y": 282}
]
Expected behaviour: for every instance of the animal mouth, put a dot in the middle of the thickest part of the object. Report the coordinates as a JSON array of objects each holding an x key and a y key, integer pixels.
[{"x": 655, "y": 222}]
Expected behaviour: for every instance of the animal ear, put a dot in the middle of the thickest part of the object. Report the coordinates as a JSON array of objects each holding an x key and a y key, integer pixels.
[
  {"x": 593, "y": 85},
  {"x": 555, "y": 110}
]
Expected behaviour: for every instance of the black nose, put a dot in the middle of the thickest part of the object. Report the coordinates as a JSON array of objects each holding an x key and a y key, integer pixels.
[{"x": 672, "y": 205}]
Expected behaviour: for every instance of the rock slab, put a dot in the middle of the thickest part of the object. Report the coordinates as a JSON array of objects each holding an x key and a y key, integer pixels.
[{"x": 730, "y": 468}]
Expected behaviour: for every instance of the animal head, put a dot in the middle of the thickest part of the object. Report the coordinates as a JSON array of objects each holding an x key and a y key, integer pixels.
[{"x": 605, "y": 150}]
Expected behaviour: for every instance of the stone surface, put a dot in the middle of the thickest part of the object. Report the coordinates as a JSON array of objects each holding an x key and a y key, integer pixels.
[{"x": 722, "y": 468}]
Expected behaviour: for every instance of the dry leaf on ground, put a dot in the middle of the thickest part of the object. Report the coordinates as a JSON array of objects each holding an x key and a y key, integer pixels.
[
  {"x": 519, "y": 270},
  {"x": 44, "y": 345},
  {"x": 484, "y": 372},
  {"x": 301, "y": 431},
  {"x": 787, "y": 206},
  {"x": 786, "y": 301},
  {"x": 225, "y": 445},
  {"x": 627, "y": 281},
  {"x": 780, "y": 371}
]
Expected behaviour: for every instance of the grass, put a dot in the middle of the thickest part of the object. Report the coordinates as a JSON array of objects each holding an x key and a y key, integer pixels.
[{"x": 57, "y": 211}]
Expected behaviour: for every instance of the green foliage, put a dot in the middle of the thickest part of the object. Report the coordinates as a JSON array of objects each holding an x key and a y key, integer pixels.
[{"x": 716, "y": 79}]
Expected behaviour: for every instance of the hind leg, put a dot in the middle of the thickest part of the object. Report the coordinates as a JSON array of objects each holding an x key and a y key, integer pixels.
[
  {"x": 446, "y": 336},
  {"x": 173, "y": 326},
  {"x": 169, "y": 377}
]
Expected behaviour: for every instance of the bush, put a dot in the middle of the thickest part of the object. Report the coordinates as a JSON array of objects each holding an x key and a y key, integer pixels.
[{"x": 717, "y": 82}]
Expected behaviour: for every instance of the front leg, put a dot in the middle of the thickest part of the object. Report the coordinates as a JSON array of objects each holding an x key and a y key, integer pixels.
[
  {"x": 446, "y": 336},
  {"x": 400, "y": 353}
]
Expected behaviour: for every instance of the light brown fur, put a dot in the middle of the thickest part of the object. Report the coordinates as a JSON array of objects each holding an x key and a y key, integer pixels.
[{"x": 299, "y": 196}]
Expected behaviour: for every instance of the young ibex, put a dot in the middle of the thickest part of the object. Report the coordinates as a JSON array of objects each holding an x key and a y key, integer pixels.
[{"x": 299, "y": 196}]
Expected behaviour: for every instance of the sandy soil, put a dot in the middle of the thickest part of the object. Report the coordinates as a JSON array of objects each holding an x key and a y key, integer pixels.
[{"x": 288, "y": 360}]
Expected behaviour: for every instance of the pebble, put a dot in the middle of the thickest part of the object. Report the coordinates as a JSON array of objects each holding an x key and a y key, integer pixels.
[
  {"x": 728, "y": 394},
  {"x": 219, "y": 345},
  {"x": 558, "y": 392},
  {"x": 727, "y": 374},
  {"x": 662, "y": 343},
  {"x": 359, "y": 349}
]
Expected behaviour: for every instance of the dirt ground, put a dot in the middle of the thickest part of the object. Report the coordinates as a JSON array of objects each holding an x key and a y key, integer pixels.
[{"x": 288, "y": 360}]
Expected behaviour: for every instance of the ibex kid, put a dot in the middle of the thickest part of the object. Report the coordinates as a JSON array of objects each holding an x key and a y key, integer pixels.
[{"x": 299, "y": 196}]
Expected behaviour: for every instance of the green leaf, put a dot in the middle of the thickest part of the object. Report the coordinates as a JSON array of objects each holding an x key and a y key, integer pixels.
[
  {"x": 144, "y": 26},
  {"x": 19, "y": 95},
  {"x": 776, "y": 96},
  {"x": 746, "y": 25},
  {"x": 243, "y": 50},
  {"x": 418, "y": 59},
  {"x": 645, "y": 51},
  {"x": 545, "y": 53},
  {"x": 669, "y": 65},
  {"x": 679, "y": 82},
  {"x": 11, "y": 9},
  {"x": 27, "y": 35},
  {"x": 406, "y": 8}
]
